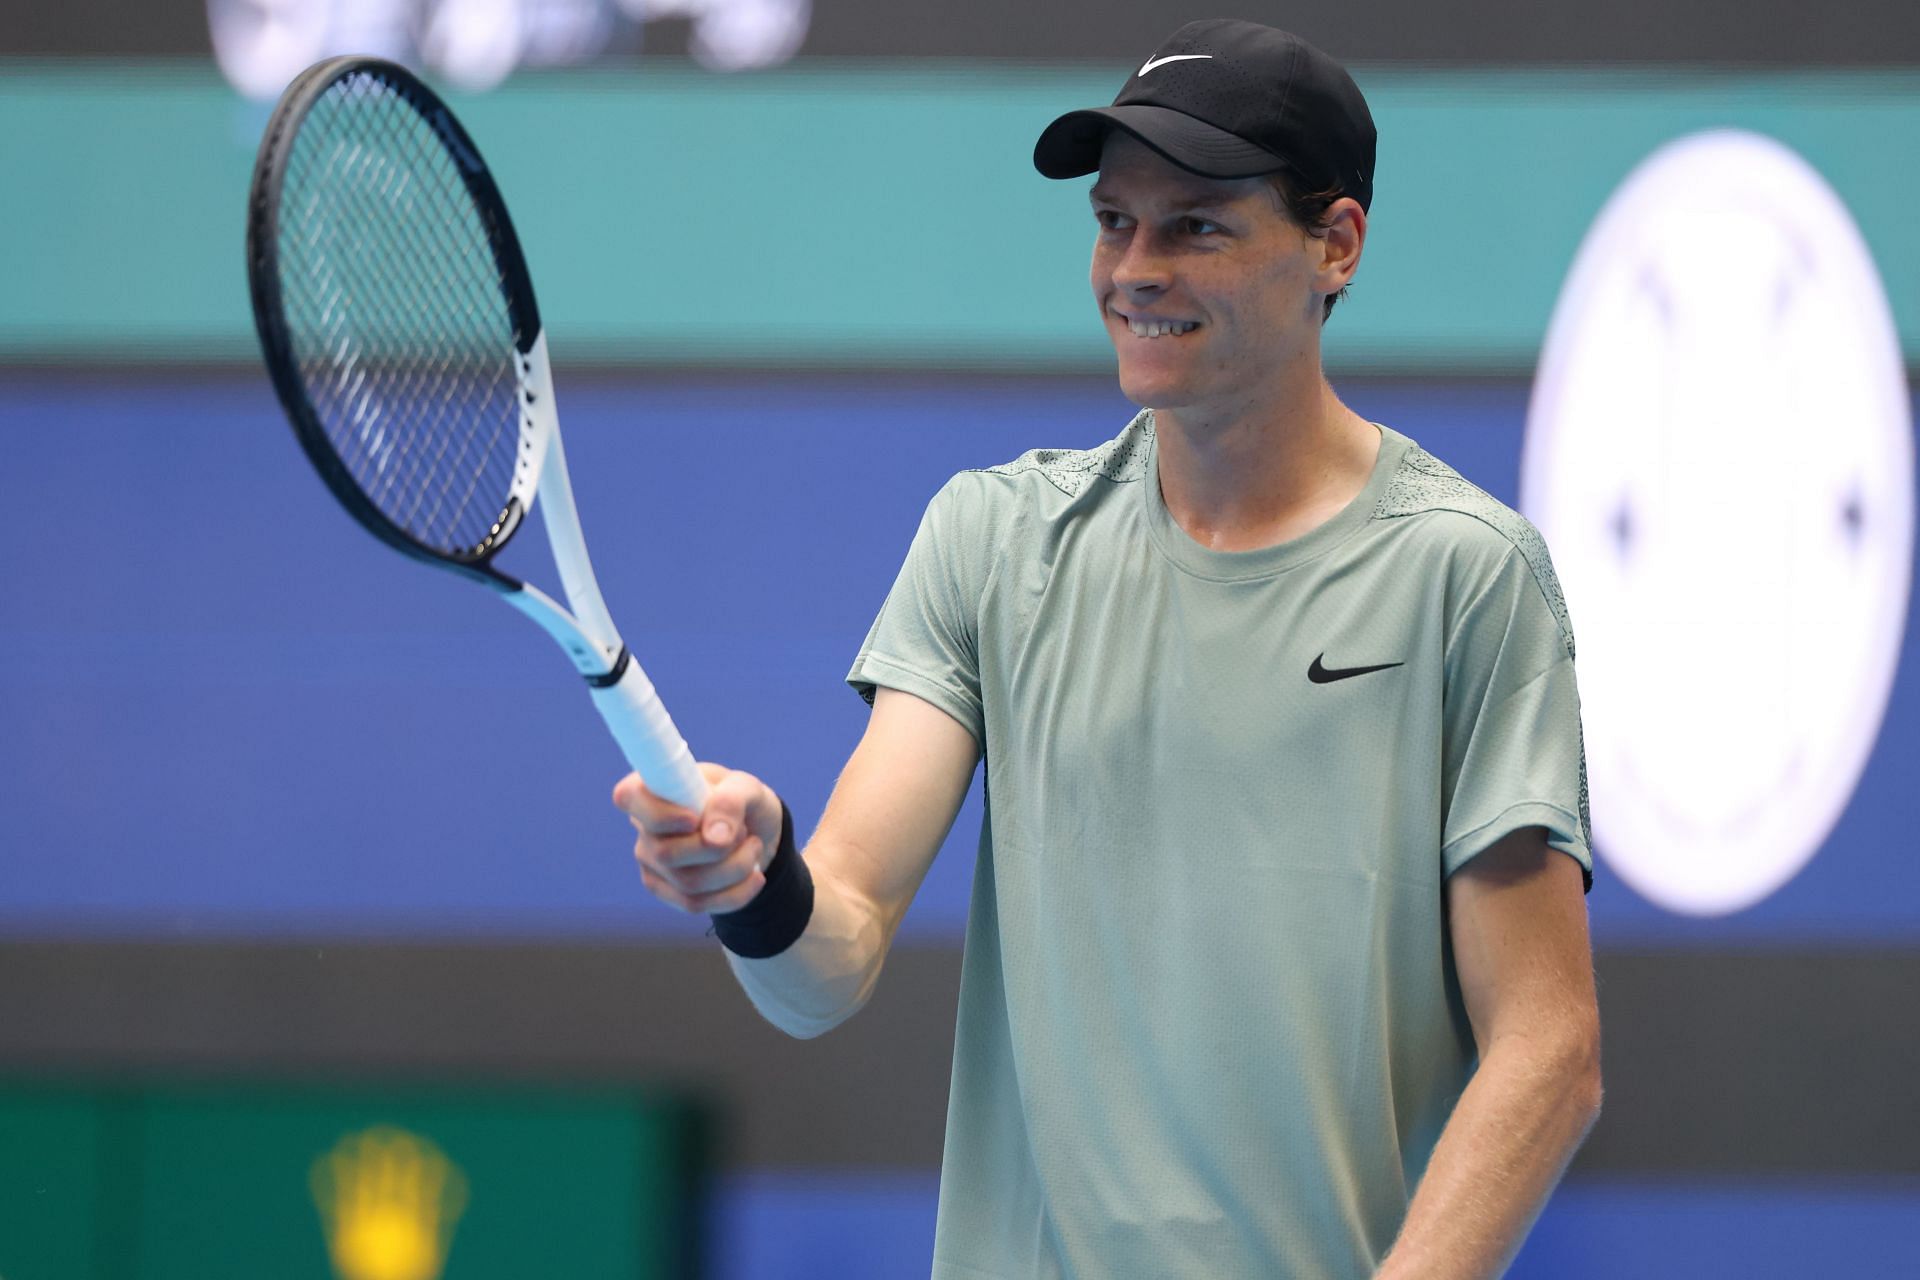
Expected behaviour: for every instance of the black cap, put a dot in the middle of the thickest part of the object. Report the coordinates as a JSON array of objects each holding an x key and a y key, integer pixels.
[{"x": 1231, "y": 99}]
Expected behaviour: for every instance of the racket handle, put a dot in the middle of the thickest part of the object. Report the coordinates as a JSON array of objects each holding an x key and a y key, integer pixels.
[{"x": 645, "y": 732}]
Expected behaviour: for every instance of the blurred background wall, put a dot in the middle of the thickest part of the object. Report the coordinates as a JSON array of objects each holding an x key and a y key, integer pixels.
[{"x": 279, "y": 811}]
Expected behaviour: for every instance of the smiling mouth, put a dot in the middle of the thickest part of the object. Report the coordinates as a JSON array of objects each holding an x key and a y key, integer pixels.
[{"x": 1158, "y": 328}]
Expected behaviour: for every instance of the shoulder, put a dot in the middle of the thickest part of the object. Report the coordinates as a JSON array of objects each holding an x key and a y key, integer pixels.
[
  {"x": 1423, "y": 485},
  {"x": 1489, "y": 539},
  {"x": 1072, "y": 472},
  {"x": 1043, "y": 484}
]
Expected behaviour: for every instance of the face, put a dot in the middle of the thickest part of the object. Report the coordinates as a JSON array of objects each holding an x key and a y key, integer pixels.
[{"x": 1211, "y": 296}]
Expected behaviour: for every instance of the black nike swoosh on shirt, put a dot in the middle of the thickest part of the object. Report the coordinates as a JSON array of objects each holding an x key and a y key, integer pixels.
[{"x": 1324, "y": 675}]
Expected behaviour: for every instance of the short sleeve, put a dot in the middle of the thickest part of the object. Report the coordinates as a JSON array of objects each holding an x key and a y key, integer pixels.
[
  {"x": 925, "y": 639},
  {"x": 1513, "y": 755}
]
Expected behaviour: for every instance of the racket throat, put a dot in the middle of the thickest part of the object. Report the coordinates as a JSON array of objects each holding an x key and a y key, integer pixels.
[{"x": 593, "y": 658}]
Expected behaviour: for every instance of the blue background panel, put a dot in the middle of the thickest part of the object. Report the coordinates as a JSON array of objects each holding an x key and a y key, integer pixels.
[
  {"x": 1680, "y": 1230},
  {"x": 230, "y": 711},
  {"x": 879, "y": 1227}
]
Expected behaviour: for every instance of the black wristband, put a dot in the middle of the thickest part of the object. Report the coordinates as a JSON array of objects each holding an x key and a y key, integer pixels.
[{"x": 778, "y": 914}]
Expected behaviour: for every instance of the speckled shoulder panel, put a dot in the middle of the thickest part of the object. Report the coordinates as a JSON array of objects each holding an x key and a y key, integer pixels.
[
  {"x": 1120, "y": 459},
  {"x": 1424, "y": 483}
]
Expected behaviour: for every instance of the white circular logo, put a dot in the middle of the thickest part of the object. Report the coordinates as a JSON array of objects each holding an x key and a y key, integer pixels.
[{"x": 1719, "y": 452}]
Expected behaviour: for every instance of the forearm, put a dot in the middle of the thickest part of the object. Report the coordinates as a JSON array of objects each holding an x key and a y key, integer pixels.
[
  {"x": 1508, "y": 1141},
  {"x": 884, "y": 822},
  {"x": 829, "y": 971}
]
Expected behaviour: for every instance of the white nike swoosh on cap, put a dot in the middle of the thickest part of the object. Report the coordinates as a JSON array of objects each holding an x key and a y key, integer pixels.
[{"x": 1172, "y": 57}]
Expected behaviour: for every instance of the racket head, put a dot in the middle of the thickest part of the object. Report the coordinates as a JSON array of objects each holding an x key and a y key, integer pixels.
[{"x": 395, "y": 312}]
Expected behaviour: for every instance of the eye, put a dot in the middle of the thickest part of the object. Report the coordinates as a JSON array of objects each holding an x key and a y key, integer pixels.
[
  {"x": 1198, "y": 226},
  {"x": 1111, "y": 220}
]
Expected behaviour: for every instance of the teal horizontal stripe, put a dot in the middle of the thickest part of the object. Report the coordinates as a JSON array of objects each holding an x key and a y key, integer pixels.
[{"x": 854, "y": 215}]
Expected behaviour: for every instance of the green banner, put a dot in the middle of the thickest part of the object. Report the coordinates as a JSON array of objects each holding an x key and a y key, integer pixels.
[
  {"x": 337, "y": 1183},
  {"x": 863, "y": 215},
  {"x": 54, "y": 1182}
]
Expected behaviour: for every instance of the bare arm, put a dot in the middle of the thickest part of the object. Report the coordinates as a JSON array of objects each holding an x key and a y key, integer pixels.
[
  {"x": 1518, "y": 921},
  {"x": 891, "y": 809}
]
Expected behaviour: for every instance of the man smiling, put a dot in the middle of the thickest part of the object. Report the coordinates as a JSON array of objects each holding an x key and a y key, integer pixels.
[{"x": 1277, "y": 962}]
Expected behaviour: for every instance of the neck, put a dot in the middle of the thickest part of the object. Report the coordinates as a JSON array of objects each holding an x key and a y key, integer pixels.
[{"x": 1244, "y": 477}]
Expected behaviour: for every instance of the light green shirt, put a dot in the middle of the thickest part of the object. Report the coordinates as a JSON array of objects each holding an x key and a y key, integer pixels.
[{"x": 1209, "y": 1020}]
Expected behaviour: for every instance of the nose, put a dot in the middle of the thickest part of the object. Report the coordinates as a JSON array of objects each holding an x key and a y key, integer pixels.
[{"x": 1142, "y": 269}]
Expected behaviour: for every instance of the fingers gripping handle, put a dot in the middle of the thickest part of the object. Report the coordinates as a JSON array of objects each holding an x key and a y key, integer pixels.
[{"x": 646, "y": 734}]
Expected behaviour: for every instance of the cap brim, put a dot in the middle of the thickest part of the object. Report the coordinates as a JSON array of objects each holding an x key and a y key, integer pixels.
[{"x": 1070, "y": 146}]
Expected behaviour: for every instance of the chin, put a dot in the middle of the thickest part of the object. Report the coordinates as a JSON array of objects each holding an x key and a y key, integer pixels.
[
  {"x": 1150, "y": 392},
  {"x": 1158, "y": 379}
]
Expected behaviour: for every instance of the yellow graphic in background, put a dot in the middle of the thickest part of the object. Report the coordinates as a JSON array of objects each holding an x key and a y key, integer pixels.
[{"x": 388, "y": 1200}]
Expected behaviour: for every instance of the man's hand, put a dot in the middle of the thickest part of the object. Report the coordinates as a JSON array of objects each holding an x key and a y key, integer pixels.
[{"x": 708, "y": 862}]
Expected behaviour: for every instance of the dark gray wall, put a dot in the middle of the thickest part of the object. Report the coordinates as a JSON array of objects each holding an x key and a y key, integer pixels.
[
  {"x": 1756, "y": 1062},
  {"x": 1851, "y": 33},
  {"x": 1720, "y": 32}
]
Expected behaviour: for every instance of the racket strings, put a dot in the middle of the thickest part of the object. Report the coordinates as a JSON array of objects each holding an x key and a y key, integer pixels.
[
  {"x": 402, "y": 426},
  {"x": 429, "y": 386},
  {"x": 437, "y": 389},
  {"x": 476, "y": 265},
  {"x": 398, "y": 315},
  {"x": 432, "y": 386}
]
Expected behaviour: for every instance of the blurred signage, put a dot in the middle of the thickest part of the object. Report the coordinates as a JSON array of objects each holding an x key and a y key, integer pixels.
[
  {"x": 389, "y": 1201},
  {"x": 1720, "y": 453},
  {"x": 210, "y": 1182},
  {"x": 262, "y": 44}
]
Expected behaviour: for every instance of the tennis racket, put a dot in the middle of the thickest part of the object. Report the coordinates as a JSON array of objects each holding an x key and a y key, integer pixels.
[{"x": 399, "y": 326}]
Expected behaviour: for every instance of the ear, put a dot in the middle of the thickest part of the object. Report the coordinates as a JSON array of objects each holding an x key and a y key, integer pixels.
[{"x": 1340, "y": 247}]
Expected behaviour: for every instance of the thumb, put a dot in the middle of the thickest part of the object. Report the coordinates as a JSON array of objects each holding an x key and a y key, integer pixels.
[{"x": 737, "y": 805}]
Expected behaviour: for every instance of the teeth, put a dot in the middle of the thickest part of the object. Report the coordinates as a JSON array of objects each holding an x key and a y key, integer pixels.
[{"x": 1160, "y": 328}]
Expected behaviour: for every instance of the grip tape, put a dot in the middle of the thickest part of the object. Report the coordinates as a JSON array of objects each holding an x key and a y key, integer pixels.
[{"x": 653, "y": 747}]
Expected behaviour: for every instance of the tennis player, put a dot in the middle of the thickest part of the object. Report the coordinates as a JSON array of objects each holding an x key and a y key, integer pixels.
[{"x": 1277, "y": 962}]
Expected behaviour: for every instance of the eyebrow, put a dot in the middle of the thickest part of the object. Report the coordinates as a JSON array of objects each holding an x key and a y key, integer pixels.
[{"x": 1214, "y": 201}]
